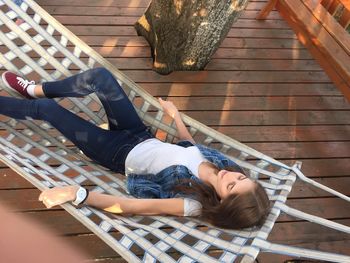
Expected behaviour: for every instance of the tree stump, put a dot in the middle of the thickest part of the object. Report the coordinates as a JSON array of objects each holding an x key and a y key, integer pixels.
[{"x": 184, "y": 34}]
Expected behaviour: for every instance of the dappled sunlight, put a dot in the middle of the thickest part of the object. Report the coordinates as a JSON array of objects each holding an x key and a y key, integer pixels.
[
  {"x": 178, "y": 6},
  {"x": 110, "y": 42},
  {"x": 144, "y": 23},
  {"x": 114, "y": 209},
  {"x": 295, "y": 49},
  {"x": 189, "y": 62},
  {"x": 134, "y": 3},
  {"x": 108, "y": 46},
  {"x": 175, "y": 88},
  {"x": 203, "y": 12},
  {"x": 237, "y": 6},
  {"x": 225, "y": 112},
  {"x": 291, "y": 106},
  {"x": 157, "y": 64},
  {"x": 104, "y": 126}
]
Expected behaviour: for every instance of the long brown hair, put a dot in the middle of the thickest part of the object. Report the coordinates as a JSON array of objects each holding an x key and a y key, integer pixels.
[{"x": 235, "y": 211}]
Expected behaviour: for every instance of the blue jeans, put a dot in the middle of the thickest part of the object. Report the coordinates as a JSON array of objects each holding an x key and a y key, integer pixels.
[
  {"x": 18, "y": 2},
  {"x": 107, "y": 147}
]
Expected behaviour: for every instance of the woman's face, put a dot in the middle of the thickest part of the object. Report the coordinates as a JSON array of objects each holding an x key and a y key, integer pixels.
[{"x": 229, "y": 183}]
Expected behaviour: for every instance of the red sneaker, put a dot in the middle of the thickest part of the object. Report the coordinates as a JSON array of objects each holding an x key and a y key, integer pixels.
[{"x": 17, "y": 83}]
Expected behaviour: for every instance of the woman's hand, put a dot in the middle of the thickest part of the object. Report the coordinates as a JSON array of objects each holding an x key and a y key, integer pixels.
[
  {"x": 173, "y": 112},
  {"x": 58, "y": 195},
  {"x": 169, "y": 108}
]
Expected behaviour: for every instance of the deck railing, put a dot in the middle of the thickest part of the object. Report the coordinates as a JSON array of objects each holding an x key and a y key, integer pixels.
[{"x": 321, "y": 26}]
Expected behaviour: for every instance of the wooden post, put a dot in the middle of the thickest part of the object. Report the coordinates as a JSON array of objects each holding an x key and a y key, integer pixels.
[{"x": 266, "y": 10}]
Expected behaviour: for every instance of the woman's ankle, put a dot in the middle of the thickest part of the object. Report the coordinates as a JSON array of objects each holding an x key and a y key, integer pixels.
[
  {"x": 36, "y": 91},
  {"x": 31, "y": 90}
]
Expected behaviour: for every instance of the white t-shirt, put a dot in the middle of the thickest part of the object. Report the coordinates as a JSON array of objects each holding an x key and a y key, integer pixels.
[{"x": 152, "y": 156}]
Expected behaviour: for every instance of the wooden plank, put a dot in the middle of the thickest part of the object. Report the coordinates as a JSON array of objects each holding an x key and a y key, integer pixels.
[
  {"x": 261, "y": 64},
  {"x": 57, "y": 10},
  {"x": 221, "y": 53},
  {"x": 326, "y": 167},
  {"x": 240, "y": 89},
  {"x": 120, "y": 3},
  {"x": 304, "y": 234},
  {"x": 130, "y": 11},
  {"x": 307, "y": 235},
  {"x": 253, "y": 5},
  {"x": 304, "y": 190},
  {"x": 113, "y": 41},
  {"x": 130, "y": 31},
  {"x": 271, "y": 117},
  {"x": 131, "y": 20},
  {"x": 261, "y": 103},
  {"x": 150, "y": 76},
  {"x": 137, "y": 41},
  {"x": 228, "y": 77},
  {"x": 286, "y": 133},
  {"x": 300, "y": 150},
  {"x": 11, "y": 180},
  {"x": 215, "y": 64},
  {"x": 262, "y": 53},
  {"x": 237, "y": 42},
  {"x": 329, "y": 208},
  {"x": 92, "y": 246}
]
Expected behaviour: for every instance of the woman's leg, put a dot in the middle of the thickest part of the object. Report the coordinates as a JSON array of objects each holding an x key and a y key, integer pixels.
[
  {"x": 120, "y": 111},
  {"x": 97, "y": 143}
]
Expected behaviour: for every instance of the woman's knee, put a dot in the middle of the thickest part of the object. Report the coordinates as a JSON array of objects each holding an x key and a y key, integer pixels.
[
  {"x": 101, "y": 73},
  {"x": 46, "y": 105}
]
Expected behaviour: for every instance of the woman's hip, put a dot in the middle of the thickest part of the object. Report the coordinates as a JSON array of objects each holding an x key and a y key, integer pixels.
[{"x": 120, "y": 147}]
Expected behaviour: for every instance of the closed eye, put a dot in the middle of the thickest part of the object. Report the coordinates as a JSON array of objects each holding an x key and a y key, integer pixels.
[{"x": 230, "y": 186}]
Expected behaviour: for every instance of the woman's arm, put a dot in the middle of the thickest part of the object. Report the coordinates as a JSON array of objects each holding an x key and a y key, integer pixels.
[
  {"x": 114, "y": 204},
  {"x": 173, "y": 112}
]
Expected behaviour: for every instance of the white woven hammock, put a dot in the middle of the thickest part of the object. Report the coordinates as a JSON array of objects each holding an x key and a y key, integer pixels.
[{"x": 42, "y": 48}]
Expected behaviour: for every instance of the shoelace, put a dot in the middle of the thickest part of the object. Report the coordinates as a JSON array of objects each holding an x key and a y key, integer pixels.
[{"x": 24, "y": 82}]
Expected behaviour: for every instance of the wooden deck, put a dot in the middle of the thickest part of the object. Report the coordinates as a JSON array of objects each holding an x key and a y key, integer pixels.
[{"x": 262, "y": 87}]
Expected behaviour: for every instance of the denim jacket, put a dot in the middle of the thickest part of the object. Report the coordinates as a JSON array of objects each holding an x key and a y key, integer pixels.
[{"x": 160, "y": 185}]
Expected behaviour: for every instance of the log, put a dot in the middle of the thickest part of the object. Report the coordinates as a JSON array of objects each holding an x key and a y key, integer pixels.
[{"x": 184, "y": 34}]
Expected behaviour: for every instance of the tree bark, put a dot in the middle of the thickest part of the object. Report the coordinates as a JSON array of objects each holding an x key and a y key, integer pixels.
[{"x": 184, "y": 34}]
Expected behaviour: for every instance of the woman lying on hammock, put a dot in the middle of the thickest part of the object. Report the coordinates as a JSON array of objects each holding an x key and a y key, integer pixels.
[{"x": 184, "y": 179}]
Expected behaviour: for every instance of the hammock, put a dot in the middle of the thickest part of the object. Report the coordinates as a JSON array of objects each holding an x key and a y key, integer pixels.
[{"x": 42, "y": 48}]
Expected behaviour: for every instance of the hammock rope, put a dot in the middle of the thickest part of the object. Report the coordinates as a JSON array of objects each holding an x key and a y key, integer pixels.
[{"x": 42, "y": 48}]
